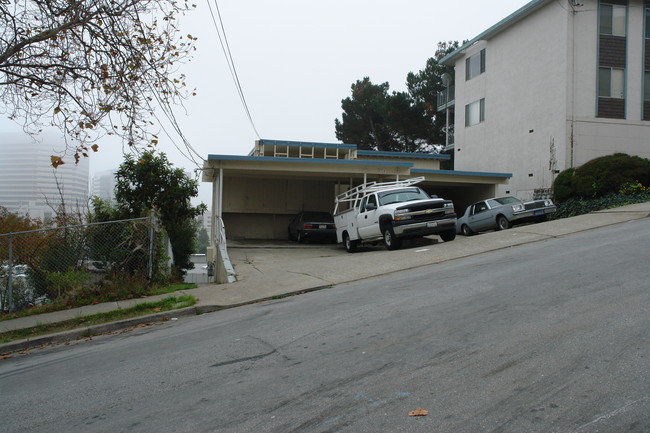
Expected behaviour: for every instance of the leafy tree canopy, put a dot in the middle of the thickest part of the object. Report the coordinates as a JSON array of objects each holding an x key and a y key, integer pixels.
[
  {"x": 425, "y": 85},
  {"x": 365, "y": 116},
  {"x": 375, "y": 119},
  {"x": 91, "y": 67},
  {"x": 151, "y": 182}
]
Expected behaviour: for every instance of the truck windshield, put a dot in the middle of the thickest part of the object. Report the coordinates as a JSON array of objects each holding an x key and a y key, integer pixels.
[{"x": 401, "y": 195}]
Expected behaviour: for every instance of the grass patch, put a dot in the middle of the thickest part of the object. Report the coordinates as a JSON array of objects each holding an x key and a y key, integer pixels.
[
  {"x": 167, "y": 304},
  {"x": 173, "y": 288},
  {"x": 49, "y": 308}
]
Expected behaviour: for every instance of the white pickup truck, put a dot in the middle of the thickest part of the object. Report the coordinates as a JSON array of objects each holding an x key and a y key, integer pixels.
[{"x": 389, "y": 212}]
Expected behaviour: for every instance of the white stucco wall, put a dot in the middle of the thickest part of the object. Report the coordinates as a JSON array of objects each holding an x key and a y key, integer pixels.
[
  {"x": 635, "y": 64},
  {"x": 524, "y": 86},
  {"x": 607, "y": 136}
]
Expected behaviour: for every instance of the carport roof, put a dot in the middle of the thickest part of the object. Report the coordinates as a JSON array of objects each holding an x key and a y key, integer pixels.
[
  {"x": 308, "y": 167},
  {"x": 335, "y": 168}
]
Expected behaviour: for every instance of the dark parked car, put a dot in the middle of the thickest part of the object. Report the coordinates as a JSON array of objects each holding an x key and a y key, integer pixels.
[
  {"x": 311, "y": 225},
  {"x": 501, "y": 213}
]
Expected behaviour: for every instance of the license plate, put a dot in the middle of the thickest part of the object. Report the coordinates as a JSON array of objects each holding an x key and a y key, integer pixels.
[
  {"x": 322, "y": 226},
  {"x": 538, "y": 212},
  {"x": 432, "y": 224}
]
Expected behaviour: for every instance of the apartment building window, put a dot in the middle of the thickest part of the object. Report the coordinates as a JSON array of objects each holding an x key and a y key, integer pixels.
[
  {"x": 613, "y": 19},
  {"x": 611, "y": 83},
  {"x": 475, "y": 65},
  {"x": 475, "y": 112}
]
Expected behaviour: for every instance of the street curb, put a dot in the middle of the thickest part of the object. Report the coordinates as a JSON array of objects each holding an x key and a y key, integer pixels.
[
  {"x": 111, "y": 327},
  {"x": 90, "y": 331}
]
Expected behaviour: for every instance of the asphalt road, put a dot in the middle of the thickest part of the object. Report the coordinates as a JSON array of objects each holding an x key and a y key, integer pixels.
[{"x": 546, "y": 337}]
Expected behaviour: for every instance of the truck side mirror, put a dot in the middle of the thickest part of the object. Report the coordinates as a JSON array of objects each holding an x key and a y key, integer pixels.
[{"x": 371, "y": 206}]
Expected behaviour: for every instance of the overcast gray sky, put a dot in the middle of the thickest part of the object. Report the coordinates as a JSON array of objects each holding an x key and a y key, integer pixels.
[{"x": 296, "y": 61}]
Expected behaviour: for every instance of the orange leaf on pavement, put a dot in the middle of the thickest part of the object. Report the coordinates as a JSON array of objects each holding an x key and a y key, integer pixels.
[{"x": 419, "y": 412}]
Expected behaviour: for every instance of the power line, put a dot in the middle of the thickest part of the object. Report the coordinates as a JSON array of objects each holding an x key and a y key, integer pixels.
[
  {"x": 231, "y": 64},
  {"x": 167, "y": 109}
]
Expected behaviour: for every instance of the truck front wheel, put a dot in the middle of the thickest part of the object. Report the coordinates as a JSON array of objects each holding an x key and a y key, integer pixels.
[
  {"x": 390, "y": 240},
  {"x": 350, "y": 245},
  {"x": 448, "y": 235}
]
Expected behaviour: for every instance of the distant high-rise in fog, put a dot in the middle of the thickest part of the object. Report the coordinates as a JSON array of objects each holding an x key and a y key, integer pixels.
[
  {"x": 29, "y": 185},
  {"x": 103, "y": 185}
]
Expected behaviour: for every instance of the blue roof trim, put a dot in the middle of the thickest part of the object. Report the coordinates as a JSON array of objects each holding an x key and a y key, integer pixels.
[
  {"x": 308, "y": 160},
  {"x": 403, "y": 154},
  {"x": 307, "y": 144},
  {"x": 501, "y": 25},
  {"x": 460, "y": 173}
]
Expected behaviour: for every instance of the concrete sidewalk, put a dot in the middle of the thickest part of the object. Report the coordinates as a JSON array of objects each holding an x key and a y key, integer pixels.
[{"x": 269, "y": 269}]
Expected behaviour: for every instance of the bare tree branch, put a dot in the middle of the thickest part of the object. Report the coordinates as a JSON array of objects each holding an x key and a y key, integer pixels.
[{"x": 91, "y": 67}]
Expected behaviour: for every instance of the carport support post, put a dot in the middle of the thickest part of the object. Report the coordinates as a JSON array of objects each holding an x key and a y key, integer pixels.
[
  {"x": 216, "y": 228},
  {"x": 220, "y": 198},
  {"x": 217, "y": 193}
]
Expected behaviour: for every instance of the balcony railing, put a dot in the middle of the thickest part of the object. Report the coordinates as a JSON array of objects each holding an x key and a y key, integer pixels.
[{"x": 446, "y": 98}]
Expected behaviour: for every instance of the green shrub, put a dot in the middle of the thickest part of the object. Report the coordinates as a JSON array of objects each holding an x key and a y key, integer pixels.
[
  {"x": 67, "y": 284},
  {"x": 601, "y": 176},
  {"x": 563, "y": 185}
]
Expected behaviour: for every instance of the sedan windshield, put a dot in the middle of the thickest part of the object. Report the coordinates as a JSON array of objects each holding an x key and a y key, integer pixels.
[
  {"x": 401, "y": 195},
  {"x": 508, "y": 200}
]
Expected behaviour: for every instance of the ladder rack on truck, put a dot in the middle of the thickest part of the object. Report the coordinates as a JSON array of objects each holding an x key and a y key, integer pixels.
[
  {"x": 390, "y": 212},
  {"x": 357, "y": 192}
]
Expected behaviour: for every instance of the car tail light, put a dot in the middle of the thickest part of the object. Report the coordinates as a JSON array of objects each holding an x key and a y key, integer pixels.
[{"x": 307, "y": 226}]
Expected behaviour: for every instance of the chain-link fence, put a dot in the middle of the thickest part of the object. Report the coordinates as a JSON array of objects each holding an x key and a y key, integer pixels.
[{"x": 55, "y": 264}]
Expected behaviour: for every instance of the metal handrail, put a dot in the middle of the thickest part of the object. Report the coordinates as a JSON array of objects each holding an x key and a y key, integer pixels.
[{"x": 220, "y": 232}]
